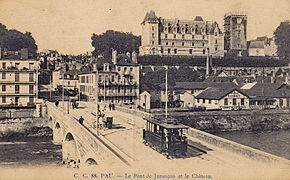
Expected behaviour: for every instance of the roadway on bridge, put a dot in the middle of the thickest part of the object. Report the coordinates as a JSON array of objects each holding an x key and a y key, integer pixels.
[{"x": 126, "y": 135}]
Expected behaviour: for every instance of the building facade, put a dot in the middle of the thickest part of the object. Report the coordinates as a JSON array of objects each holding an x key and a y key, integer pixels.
[
  {"x": 67, "y": 79},
  {"x": 235, "y": 29},
  {"x": 263, "y": 46},
  {"x": 174, "y": 37},
  {"x": 18, "y": 79},
  {"x": 222, "y": 99},
  {"x": 118, "y": 81}
]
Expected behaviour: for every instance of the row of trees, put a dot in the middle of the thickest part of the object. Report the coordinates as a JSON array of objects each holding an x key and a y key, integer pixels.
[
  {"x": 14, "y": 40},
  {"x": 282, "y": 39},
  {"x": 120, "y": 41}
]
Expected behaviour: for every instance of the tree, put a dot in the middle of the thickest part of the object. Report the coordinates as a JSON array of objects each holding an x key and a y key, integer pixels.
[
  {"x": 120, "y": 41},
  {"x": 282, "y": 39},
  {"x": 14, "y": 40}
]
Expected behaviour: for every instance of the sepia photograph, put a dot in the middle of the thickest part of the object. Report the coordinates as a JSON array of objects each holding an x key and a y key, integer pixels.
[{"x": 144, "y": 89}]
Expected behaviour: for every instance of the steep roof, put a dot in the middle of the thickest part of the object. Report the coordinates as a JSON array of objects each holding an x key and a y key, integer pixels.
[
  {"x": 151, "y": 16},
  {"x": 124, "y": 60},
  {"x": 216, "y": 93},
  {"x": 200, "y": 85},
  {"x": 198, "y": 18},
  {"x": 257, "y": 44},
  {"x": 267, "y": 90}
]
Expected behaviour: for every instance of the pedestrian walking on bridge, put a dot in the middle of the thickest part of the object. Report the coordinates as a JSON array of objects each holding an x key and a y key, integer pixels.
[{"x": 81, "y": 120}]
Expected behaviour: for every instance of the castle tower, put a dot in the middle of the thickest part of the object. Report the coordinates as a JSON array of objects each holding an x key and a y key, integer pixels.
[
  {"x": 235, "y": 28},
  {"x": 150, "y": 34}
]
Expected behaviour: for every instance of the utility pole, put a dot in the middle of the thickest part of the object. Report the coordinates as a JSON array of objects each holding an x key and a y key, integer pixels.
[
  {"x": 97, "y": 100},
  {"x": 36, "y": 80},
  {"x": 68, "y": 102},
  {"x": 63, "y": 91},
  {"x": 50, "y": 88},
  {"x": 166, "y": 91},
  {"x": 104, "y": 89}
]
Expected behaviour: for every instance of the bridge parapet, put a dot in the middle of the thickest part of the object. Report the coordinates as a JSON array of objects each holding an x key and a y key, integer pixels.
[
  {"x": 80, "y": 143},
  {"x": 235, "y": 147}
]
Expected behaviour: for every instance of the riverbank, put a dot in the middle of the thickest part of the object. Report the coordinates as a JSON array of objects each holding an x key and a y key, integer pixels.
[
  {"x": 24, "y": 127},
  {"x": 27, "y": 142},
  {"x": 220, "y": 121}
]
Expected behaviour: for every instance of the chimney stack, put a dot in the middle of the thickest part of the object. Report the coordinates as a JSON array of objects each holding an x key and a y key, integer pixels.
[
  {"x": 114, "y": 56},
  {"x": 24, "y": 53},
  {"x": 94, "y": 67},
  {"x": 134, "y": 57}
]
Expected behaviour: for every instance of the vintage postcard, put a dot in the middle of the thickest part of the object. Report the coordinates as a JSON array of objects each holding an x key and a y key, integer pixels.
[{"x": 144, "y": 89}]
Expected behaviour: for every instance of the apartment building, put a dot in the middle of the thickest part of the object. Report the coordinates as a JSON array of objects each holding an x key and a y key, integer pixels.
[
  {"x": 118, "y": 79},
  {"x": 18, "y": 78}
]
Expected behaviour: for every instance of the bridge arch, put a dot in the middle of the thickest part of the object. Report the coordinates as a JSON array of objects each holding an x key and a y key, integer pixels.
[
  {"x": 91, "y": 162},
  {"x": 57, "y": 133},
  {"x": 69, "y": 148}
]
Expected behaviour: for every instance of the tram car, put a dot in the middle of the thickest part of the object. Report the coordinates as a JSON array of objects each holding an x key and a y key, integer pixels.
[{"x": 166, "y": 136}]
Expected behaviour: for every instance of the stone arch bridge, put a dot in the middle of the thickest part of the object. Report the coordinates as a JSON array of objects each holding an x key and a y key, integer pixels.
[{"x": 80, "y": 144}]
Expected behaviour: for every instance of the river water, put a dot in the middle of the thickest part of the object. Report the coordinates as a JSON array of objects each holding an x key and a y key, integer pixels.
[
  {"x": 273, "y": 142},
  {"x": 18, "y": 150}
]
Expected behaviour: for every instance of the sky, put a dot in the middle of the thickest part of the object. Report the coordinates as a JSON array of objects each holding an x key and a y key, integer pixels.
[{"x": 67, "y": 25}]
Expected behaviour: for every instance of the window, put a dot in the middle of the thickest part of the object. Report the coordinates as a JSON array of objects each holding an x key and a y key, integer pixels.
[
  {"x": 166, "y": 36},
  {"x": 3, "y": 75},
  {"x": 203, "y": 100},
  {"x": 168, "y": 51},
  {"x": 203, "y": 51},
  {"x": 175, "y": 51},
  {"x": 192, "y": 36},
  {"x": 190, "y": 51},
  {"x": 226, "y": 102},
  {"x": 242, "y": 101},
  {"x": 3, "y": 99},
  {"x": 161, "y": 50},
  {"x": 202, "y": 37},
  {"x": 17, "y": 65},
  {"x": 166, "y": 43},
  {"x": 152, "y": 35},
  {"x": 172, "y": 43},
  {"x": 16, "y": 100},
  {"x": 3, "y": 87},
  {"x": 17, "y": 77},
  {"x": 30, "y": 77},
  {"x": 203, "y": 44},
  {"x": 197, "y": 100},
  {"x": 192, "y": 44},
  {"x": 215, "y": 48},
  {"x": 152, "y": 28},
  {"x": 3, "y": 65},
  {"x": 31, "y": 65},
  {"x": 216, "y": 41},
  {"x": 174, "y": 36},
  {"x": 31, "y": 100},
  {"x": 31, "y": 88},
  {"x": 17, "y": 89},
  {"x": 234, "y": 101},
  {"x": 119, "y": 68},
  {"x": 209, "y": 101},
  {"x": 182, "y": 43},
  {"x": 215, "y": 33},
  {"x": 182, "y": 36},
  {"x": 152, "y": 42}
]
